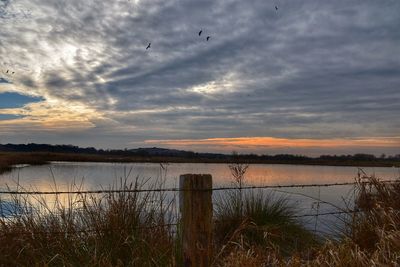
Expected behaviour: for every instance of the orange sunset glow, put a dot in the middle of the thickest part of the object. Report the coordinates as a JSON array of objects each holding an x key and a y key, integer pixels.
[{"x": 272, "y": 142}]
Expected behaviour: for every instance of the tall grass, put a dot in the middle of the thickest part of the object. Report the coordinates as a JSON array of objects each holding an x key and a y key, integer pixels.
[
  {"x": 251, "y": 228},
  {"x": 261, "y": 219},
  {"x": 248, "y": 221},
  {"x": 379, "y": 204},
  {"x": 117, "y": 229},
  {"x": 372, "y": 237}
]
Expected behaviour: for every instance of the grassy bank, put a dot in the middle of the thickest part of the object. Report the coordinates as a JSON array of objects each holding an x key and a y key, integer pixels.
[{"x": 9, "y": 159}]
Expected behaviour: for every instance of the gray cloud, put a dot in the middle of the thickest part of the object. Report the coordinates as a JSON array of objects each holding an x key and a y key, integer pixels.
[{"x": 312, "y": 69}]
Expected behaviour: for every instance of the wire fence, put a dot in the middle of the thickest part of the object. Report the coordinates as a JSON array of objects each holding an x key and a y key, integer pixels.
[
  {"x": 113, "y": 191},
  {"x": 122, "y": 191}
]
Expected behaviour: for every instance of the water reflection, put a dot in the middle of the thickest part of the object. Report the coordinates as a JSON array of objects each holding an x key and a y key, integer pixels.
[
  {"x": 93, "y": 176},
  {"x": 10, "y": 208},
  {"x": 98, "y": 175}
]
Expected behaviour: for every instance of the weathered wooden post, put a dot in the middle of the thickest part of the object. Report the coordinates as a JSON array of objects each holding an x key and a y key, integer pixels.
[{"x": 196, "y": 219}]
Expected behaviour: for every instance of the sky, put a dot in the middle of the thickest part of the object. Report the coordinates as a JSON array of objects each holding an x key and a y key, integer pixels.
[{"x": 301, "y": 77}]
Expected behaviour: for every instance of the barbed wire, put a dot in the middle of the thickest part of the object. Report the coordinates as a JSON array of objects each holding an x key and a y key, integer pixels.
[
  {"x": 113, "y": 191},
  {"x": 172, "y": 225},
  {"x": 326, "y": 213}
]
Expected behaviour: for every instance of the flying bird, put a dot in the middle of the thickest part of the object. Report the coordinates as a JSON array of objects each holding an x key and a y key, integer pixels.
[
  {"x": 148, "y": 46},
  {"x": 208, "y": 38},
  {"x": 276, "y": 8},
  {"x": 13, "y": 72},
  {"x": 200, "y": 32},
  {"x": 7, "y": 71}
]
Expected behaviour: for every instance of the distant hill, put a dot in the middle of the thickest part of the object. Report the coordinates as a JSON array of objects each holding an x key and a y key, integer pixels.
[{"x": 151, "y": 152}]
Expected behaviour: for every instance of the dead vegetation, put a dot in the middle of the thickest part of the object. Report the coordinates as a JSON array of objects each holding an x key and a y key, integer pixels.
[
  {"x": 251, "y": 229},
  {"x": 371, "y": 237}
]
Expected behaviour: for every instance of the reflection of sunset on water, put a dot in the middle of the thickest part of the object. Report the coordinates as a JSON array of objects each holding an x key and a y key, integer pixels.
[
  {"x": 298, "y": 174},
  {"x": 44, "y": 202},
  {"x": 103, "y": 175},
  {"x": 68, "y": 176}
]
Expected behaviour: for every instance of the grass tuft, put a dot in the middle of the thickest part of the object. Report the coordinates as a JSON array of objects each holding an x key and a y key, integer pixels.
[
  {"x": 261, "y": 220},
  {"x": 121, "y": 229}
]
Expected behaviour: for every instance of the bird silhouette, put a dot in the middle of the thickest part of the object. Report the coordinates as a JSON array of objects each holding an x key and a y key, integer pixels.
[
  {"x": 208, "y": 38},
  {"x": 276, "y": 8},
  {"x": 200, "y": 32},
  {"x": 7, "y": 71},
  {"x": 148, "y": 46},
  {"x": 13, "y": 72}
]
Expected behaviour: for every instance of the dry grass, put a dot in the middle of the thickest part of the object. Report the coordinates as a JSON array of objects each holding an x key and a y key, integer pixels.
[
  {"x": 8, "y": 160},
  {"x": 120, "y": 229},
  {"x": 372, "y": 237},
  {"x": 123, "y": 229},
  {"x": 254, "y": 228},
  {"x": 261, "y": 220}
]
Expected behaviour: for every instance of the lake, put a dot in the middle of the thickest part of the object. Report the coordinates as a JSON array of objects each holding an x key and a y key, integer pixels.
[{"x": 61, "y": 175}]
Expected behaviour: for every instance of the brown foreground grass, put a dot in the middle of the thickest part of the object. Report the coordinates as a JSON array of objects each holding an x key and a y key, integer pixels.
[
  {"x": 128, "y": 229},
  {"x": 117, "y": 229},
  {"x": 372, "y": 237}
]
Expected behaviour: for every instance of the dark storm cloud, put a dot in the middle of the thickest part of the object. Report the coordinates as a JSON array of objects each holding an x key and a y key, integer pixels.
[
  {"x": 311, "y": 69},
  {"x": 28, "y": 82},
  {"x": 55, "y": 81}
]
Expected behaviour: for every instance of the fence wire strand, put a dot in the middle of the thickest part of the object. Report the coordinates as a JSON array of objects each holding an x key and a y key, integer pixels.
[
  {"x": 82, "y": 192},
  {"x": 113, "y": 191}
]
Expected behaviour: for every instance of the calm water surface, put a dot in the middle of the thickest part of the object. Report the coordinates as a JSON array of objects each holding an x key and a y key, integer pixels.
[
  {"x": 96, "y": 175},
  {"x": 62, "y": 175}
]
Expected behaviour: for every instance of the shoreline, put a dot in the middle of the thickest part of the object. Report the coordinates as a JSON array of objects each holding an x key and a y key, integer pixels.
[{"x": 8, "y": 160}]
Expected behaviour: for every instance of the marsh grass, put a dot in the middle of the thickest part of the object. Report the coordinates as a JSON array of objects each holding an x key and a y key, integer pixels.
[
  {"x": 261, "y": 220},
  {"x": 372, "y": 236},
  {"x": 255, "y": 221},
  {"x": 8, "y": 160},
  {"x": 379, "y": 204},
  {"x": 251, "y": 228},
  {"x": 115, "y": 229}
]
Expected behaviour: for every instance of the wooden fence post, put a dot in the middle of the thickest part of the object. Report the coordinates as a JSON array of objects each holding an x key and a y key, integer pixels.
[{"x": 196, "y": 219}]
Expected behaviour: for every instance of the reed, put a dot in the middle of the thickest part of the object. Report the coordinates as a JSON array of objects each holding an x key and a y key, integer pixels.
[
  {"x": 372, "y": 236},
  {"x": 137, "y": 229},
  {"x": 116, "y": 229}
]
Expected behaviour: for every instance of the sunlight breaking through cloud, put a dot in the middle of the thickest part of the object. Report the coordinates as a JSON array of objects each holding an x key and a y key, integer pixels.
[{"x": 311, "y": 70}]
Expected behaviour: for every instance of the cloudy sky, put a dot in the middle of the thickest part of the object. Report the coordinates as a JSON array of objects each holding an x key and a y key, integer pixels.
[{"x": 311, "y": 77}]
